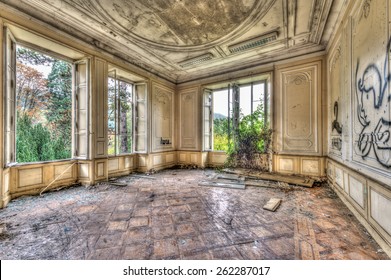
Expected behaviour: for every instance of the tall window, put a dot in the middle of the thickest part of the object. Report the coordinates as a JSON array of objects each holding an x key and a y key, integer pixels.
[
  {"x": 120, "y": 116},
  {"x": 226, "y": 109},
  {"x": 46, "y": 101},
  {"x": 43, "y": 107}
]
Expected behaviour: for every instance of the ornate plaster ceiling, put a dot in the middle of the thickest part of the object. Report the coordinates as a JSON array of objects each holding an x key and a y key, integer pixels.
[{"x": 183, "y": 40}]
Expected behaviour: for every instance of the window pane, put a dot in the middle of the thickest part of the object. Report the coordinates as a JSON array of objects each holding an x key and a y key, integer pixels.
[
  {"x": 258, "y": 95},
  {"x": 125, "y": 117},
  {"x": 120, "y": 116},
  {"x": 245, "y": 100},
  {"x": 220, "y": 120},
  {"x": 111, "y": 125},
  {"x": 44, "y": 107}
]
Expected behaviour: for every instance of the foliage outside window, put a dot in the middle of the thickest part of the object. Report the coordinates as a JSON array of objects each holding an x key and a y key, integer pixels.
[
  {"x": 43, "y": 107},
  {"x": 120, "y": 116},
  {"x": 240, "y": 125}
]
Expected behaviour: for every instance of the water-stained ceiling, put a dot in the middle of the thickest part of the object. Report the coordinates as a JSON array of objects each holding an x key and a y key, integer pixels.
[{"x": 183, "y": 40}]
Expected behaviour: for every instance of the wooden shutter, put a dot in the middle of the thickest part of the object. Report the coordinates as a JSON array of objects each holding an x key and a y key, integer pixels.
[
  {"x": 140, "y": 118},
  {"x": 9, "y": 97},
  {"x": 81, "y": 109},
  {"x": 208, "y": 119}
]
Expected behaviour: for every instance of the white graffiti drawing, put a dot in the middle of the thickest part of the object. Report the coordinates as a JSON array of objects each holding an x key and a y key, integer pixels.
[{"x": 373, "y": 94}]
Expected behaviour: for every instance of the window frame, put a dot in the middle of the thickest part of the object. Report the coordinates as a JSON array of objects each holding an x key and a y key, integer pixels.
[
  {"x": 235, "y": 97},
  {"x": 117, "y": 134},
  {"x": 9, "y": 156}
]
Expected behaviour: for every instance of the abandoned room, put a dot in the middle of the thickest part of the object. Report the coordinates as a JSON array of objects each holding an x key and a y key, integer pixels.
[{"x": 212, "y": 130}]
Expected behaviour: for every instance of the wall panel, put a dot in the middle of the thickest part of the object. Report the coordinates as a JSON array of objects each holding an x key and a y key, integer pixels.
[
  {"x": 100, "y": 102},
  {"x": 189, "y": 112},
  {"x": 380, "y": 209},
  {"x": 368, "y": 200},
  {"x": 162, "y": 118},
  {"x": 334, "y": 99},
  {"x": 29, "y": 177},
  {"x": 304, "y": 165},
  {"x": 298, "y": 109}
]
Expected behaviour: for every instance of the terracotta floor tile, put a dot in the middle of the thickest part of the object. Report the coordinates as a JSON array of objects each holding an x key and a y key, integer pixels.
[
  {"x": 198, "y": 256},
  {"x": 127, "y": 207},
  {"x": 215, "y": 239},
  {"x": 165, "y": 248},
  {"x": 241, "y": 235},
  {"x": 106, "y": 254},
  {"x": 170, "y": 216},
  {"x": 186, "y": 229},
  {"x": 160, "y": 210},
  {"x": 117, "y": 226},
  {"x": 226, "y": 253},
  {"x": 179, "y": 209},
  {"x": 260, "y": 231},
  {"x": 281, "y": 247},
  {"x": 181, "y": 217},
  {"x": 120, "y": 216},
  {"x": 138, "y": 252},
  {"x": 191, "y": 244},
  {"x": 137, "y": 235},
  {"x": 160, "y": 232},
  {"x": 138, "y": 222},
  {"x": 254, "y": 251},
  {"x": 159, "y": 202},
  {"x": 109, "y": 241},
  {"x": 140, "y": 211},
  {"x": 199, "y": 215},
  {"x": 206, "y": 225},
  {"x": 161, "y": 220}
]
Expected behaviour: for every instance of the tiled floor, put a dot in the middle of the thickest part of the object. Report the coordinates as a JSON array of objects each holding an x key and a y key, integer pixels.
[{"x": 168, "y": 216}]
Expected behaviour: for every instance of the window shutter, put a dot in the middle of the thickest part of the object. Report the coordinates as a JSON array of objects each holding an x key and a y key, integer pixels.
[
  {"x": 9, "y": 97},
  {"x": 81, "y": 109},
  {"x": 140, "y": 118},
  {"x": 208, "y": 119}
]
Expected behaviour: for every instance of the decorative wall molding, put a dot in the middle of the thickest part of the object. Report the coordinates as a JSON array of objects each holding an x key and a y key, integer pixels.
[
  {"x": 298, "y": 111},
  {"x": 368, "y": 200},
  {"x": 189, "y": 119}
]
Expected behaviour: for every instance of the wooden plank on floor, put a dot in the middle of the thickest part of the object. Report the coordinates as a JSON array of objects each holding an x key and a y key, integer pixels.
[
  {"x": 265, "y": 184},
  {"x": 217, "y": 183},
  {"x": 232, "y": 177},
  {"x": 290, "y": 179}
]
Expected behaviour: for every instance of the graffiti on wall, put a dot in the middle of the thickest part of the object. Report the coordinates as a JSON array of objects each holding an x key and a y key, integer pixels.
[
  {"x": 336, "y": 142},
  {"x": 373, "y": 100}
]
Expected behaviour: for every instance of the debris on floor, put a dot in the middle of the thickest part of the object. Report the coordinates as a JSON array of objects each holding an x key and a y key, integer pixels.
[
  {"x": 290, "y": 179},
  {"x": 3, "y": 228},
  {"x": 172, "y": 217},
  {"x": 138, "y": 176},
  {"x": 272, "y": 204},
  {"x": 219, "y": 183},
  {"x": 118, "y": 184},
  {"x": 268, "y": 184},
  {"x": 225, "y": 181}
]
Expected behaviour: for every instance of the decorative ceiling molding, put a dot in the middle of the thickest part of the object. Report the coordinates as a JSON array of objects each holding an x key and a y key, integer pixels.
[
  {"x": 196, "y": 60},
  {"x": 253, "y": 43},
  {"x": 185, "y": 40}
]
